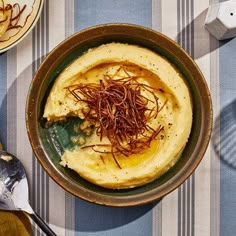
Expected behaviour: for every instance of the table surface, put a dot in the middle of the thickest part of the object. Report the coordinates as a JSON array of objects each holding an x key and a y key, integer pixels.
[{"x": 205, "y": 204}]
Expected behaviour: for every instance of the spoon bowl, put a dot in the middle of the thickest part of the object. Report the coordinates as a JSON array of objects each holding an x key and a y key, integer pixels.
[
  {"x": 13, "y": 184},
  {"x": 14, "y": 191}
]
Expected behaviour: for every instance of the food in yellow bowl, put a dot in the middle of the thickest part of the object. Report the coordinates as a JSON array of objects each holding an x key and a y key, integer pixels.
[
  {"x": 10, "y": 15},
  {"x": 5, "y": 17},
  {"x": 136, "y": 111},
  {"x": 14, "y": 223}
]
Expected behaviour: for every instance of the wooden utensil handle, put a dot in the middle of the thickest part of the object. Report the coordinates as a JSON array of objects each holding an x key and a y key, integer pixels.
[{"x": 41, "y": 223}]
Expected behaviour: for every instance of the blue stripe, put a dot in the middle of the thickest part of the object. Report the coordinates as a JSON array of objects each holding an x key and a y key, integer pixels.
[
  {"x": 91, "y": 219},
  {"x": 93, "y": 12},
  {"x": 94, "y": 220},
  {"x": 3, "y": 99},
  {"x": 228, "y": 137}
]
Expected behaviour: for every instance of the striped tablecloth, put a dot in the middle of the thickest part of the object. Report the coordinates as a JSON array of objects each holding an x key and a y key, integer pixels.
[{"x": 206, "y": 203}]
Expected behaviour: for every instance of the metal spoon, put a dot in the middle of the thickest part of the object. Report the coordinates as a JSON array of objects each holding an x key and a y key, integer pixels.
[{"x": 14, "y": 189}]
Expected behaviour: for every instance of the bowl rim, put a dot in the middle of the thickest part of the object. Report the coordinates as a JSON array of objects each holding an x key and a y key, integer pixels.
[{"x": 95, "y": 197}]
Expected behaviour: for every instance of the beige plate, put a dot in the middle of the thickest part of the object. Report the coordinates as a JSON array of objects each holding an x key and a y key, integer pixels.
[{"x": 27, "y": 21}]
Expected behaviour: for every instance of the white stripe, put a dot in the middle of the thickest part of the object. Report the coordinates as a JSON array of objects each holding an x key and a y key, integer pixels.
[
  {"x": 56, "y": 22},
  {"x": 169, "y": 18},
  {"x": 56, "y": 194},
  {"x": 69, "y": 15},
  {"x": 170, "y": 202},
  {"x": 70, "y": 214},
  {"x": 202, "y": 197},
  {"x": 203, "y": 181},
  {"x": 24, "y": 77},
  {"x": 156, "y": 15},
  {"x": 170, "y": 214}
]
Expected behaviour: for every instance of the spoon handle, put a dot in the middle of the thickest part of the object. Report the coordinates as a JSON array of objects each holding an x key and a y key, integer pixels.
[{"x": 43, "y": 226}]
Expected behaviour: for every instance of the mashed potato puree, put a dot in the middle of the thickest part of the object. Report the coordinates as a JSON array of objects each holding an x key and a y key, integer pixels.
[{"x": 175, "y": 117}]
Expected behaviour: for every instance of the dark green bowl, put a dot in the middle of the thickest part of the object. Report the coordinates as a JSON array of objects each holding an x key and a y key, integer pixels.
[{"x": 48, "y": 144}]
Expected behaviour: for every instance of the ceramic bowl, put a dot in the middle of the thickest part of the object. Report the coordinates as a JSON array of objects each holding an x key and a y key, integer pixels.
[{"x": 48, "y": 144}]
